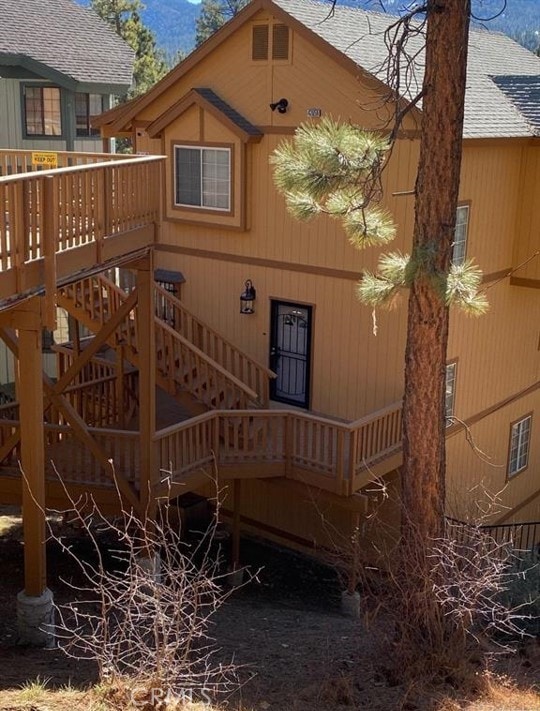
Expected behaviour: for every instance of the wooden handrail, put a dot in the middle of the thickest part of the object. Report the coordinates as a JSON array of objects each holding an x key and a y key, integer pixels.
[
  {"x": 79, "y": 169},
  {"x": 177, "y": 304},
  {"x": 333, "y": 453},
  {"x": 378, "y": 413},
  {"x": 45, "y": 213},
  {"x": 66, "y": 154},
  {"x": 219, "y": 348},
  {"x": 251, "y": 394},
  {"x": 15, "y": 161}
]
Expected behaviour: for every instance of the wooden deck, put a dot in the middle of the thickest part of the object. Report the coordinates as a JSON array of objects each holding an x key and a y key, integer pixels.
[
  {"x": 58, "y": 224},
  {"x": 339, "y": 458}
]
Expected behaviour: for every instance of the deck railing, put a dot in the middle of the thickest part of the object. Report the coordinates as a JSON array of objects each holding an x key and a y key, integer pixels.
[
  {"x": 45, "y": 213},
  {"x": 298, "y": 445},
  {"x": 217, "y": 347},
  {"x": 15, "y": 160},
  {"x": 73, "y": 461},
  {"x": 284, "y": 443},
  {"x": 521, "y": 537}
]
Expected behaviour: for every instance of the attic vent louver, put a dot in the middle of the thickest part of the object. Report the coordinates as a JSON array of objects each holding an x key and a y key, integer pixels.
[
  {"x": 280, "y": 42},
  {"x": 259, "y": 45}
]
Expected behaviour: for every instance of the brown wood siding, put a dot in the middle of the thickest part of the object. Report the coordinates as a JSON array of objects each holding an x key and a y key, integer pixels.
[
  {"x": 354, "y": 371},
  {"x": 471, "y": 472},
  {"x": 527, "y": 233}
]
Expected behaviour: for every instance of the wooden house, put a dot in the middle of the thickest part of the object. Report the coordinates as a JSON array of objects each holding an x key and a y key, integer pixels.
[
  {"x": 268, "y": 369},
  {"x": 60, "y": 66}
]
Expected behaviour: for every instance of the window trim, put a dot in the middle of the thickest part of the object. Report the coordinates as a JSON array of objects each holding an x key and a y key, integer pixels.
[
  {"x": 462, "y": 204},
  {"x": 510, "y": 475},
  {"x": 449, "y": 418},
  {"x": 24, "y": 126},
  {"x": 203, "y": 209},
  {"x": 97, "y": 132}
]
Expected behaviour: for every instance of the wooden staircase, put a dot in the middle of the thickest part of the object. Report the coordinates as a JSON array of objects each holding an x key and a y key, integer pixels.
[{"x": 219, "y": 380}]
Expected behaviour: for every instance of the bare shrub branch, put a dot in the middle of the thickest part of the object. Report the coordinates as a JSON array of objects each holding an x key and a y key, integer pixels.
[{"x": 144, "y": 602}]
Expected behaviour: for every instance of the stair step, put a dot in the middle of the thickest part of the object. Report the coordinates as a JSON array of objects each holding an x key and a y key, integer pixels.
[{"x": 95, "y": 301}]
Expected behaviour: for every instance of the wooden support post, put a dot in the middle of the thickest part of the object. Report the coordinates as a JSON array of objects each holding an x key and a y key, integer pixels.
[
  {"x": 20, "y": 231},
  {"x": 107, "y": 201},
  {"x": 30, "y": 398},
  {"x": 74, "y": 335},
  {"x": 236, "y": 524},
  {"x": 119, "y": 387},
  {"x": 147, "y": 385},
  {"x": 48, "y": 246}
]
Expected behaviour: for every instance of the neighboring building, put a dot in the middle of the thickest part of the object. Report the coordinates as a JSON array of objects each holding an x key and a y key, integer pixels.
[
  {"x": 217, "y": 118},
  {"x": 60, "y": 65}
]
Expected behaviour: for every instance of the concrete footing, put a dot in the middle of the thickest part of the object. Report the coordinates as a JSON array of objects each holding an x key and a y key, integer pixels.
[
  {"x": 350, "y": 604},
  {"x": 35, "y": 619}
]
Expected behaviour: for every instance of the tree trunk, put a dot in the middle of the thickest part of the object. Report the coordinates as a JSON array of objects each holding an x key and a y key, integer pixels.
[{"x": 437, "y": 186}]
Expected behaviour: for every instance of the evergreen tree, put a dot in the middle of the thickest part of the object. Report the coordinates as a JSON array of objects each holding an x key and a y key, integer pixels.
[
  {"x": 124, "y": 18},
  {"x": 335, "y": 169},
  {"x": 214, "y": 14}
]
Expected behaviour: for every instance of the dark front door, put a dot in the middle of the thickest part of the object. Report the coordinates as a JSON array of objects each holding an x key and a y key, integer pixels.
[{"x": 290, "y": 350}]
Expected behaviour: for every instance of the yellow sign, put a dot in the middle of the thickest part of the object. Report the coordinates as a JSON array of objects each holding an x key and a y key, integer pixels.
[{"x": 46, "y": 159}]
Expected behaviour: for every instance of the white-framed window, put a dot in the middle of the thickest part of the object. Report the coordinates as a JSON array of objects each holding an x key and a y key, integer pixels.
[
  {"x": 520, "y": 438},
  {"x": 42, "y": 111},
  {"x": 202, "y": 177},
  {"x": 459, "y": 248},
  {"x": 451, "y": 374}
]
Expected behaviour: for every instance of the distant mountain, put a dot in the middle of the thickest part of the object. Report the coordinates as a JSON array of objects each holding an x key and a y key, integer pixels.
[
  {"x": 173, "y": 21},
  {"x": 520, "y": 19}
]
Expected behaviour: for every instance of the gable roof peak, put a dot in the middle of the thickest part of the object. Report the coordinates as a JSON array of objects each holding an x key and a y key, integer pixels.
[{"x": 361, "y": 45}]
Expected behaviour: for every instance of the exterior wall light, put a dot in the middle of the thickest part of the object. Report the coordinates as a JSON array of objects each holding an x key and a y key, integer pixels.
[
  {"x": 247, "y": 297},
  {"x": 280, "y": 105}
]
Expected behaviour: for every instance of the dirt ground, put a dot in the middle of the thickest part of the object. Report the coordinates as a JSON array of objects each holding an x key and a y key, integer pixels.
[{"x": 295, "y": 650}]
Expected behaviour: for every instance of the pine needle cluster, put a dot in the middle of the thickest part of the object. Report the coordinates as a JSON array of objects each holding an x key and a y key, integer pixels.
[{"x": 335, "y": 168}]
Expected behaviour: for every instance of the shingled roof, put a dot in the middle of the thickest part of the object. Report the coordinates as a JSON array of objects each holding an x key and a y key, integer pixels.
[
  {"x": 228, "y": 111},
  {"x": 64, "y": 41},
  {"x": 524, "y": 93},
  {"x": 490, "y": 109}
]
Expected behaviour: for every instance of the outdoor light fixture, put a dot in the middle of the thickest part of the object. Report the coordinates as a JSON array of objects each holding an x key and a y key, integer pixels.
[
  {"x": 247, "y": 297},
  {"x": 280, "y": 105}
]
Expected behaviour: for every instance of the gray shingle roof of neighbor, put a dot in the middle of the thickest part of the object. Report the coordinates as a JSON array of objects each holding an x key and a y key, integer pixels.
[
  {"x": 67, "y": 38},
  {"x": 524, "y": 93},
  {"x": 490, "y": 109},
  {"x": 228, "y": 111}
]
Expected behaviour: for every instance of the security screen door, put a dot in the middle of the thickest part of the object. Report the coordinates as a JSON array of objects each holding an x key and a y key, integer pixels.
[{"x": 290, "y": 351}]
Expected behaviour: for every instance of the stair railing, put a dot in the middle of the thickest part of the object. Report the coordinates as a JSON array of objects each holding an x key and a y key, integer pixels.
[{"x": 217, "y": 347}]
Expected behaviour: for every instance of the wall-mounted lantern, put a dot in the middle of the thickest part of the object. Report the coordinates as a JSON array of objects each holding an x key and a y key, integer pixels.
[{"x": 247, "y": 297}]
